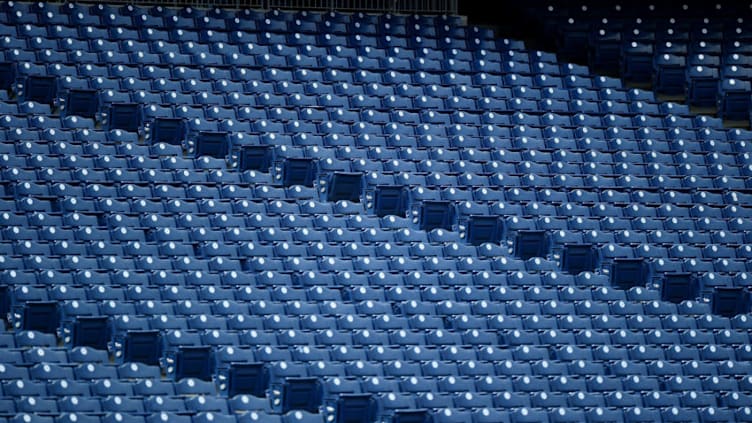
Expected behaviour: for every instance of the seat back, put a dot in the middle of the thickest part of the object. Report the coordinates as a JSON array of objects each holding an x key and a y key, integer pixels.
[
  {"x": 627, "y": 273},
  {"x": 42, "y": 89},
  {"x": 436, "y": 215},
  {"x": 7, "y": 75},
  {"x": 298, "y": 171},
  {"x": 482, "y": 229},
  {"x": 84, "y": 103},
  {"x": 125, "y": 116},
  {"x": 168, "y": 130},
  {"x": 194, "y": 362},
  {"x": 730, "y": 301},
  {"x": 529, "y": 244},
  {"x": 255, "y": 157},
  {"x": 42, "y": 316},
  {"x": 91, "y": 331},
  {"x": 578, "y": 258},
  {"x": 677, "y": 287},
  {"x": 345, "y": 186},
  {"x": 390, "y": 200},
  {"x": 142, "y": 346},
  {"x": 247, "y": 378},
  {"x": 5, "y": 295},
  {"x": 418, "y": 415},
  {"x": 214, "y": 144},
  {"x": 302, "y": 393},
  {"x": 355, "y": 408}
]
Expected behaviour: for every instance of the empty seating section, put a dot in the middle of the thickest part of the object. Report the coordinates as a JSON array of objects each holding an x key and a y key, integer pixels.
[
  {"x": 275, "y": 216},
  {"x": 696, "y": 50}
]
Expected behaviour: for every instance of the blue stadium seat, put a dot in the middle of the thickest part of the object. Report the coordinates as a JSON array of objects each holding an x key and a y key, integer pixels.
[
  {"x": 193, "y": 362},
  {"x": 415, "y": 415},
  {"x": 125, "y": 116},
  {"x": 81, "y": 102},
  {"x": 702, "y": 85},
  {"x": 390, "y": 200},
  {"x": 577, "y": 258},
  {"x": 734, "y": 101},
  {"x": 529, "y": 244},
  {"x": 212, "y": 143},
  {"x": 41, "y": 89},
  {"x": 730, "y": 301},
  {"x": 482, "y": 229},
  {"x": 142, "y": 346},
  {"x": 628, "y": 272},
  {"x": 92, "y": 331},
  {"x": 298, "y": 171},
  {"x": 42, "y": 316},
  {"x": 167, "y": 130},
  {"x": 247, "y": 378},
  {"x": 678, "y": 287},
  {"x": 344, "y": 186},
  {"x": 301, "y": 394},
  {"x": 355, "y": 408},
  {"x": 436, "y": 215}
]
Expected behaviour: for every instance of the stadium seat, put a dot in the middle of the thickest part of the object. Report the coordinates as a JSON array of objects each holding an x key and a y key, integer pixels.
[
  {"x": 41, "y": 89},
  {"x": 730, "y": 301},
  {"x": 734, "y": 99},
  {"x": 412, "y": 416},
  {"x": 577, "y": 258},
  {"x": 355, "y": 408},
  {"x": 482, "y": 229},
  {"x": 436, "y": 215},
  {"x": 247, "y": 378},
  {"x": 253, "y": 157},
  {"x": 702, "y": 86},
  {"x": 7, "y": 75},
  {"x": 42, "y": 316},
  {"x": 529, "y": 244},
  {"x": 627, "y": 272},
  {"x": 669, "y": 74},
  {"x": 298, "y": 171},
  {"x": 212, "y": 144},
  {"x": 194, "y": 362},
  {"x": 677, "y": 287},
  {"x": 142, "y": 346},
  {"x": 91, "y": 331},
  {"x": 125, "y": 116},
  {"x": 301, "y": 394},
  {"x": 167, "y": 130},
  {"x": 390, "y": 200},
  {"x": 344, "y": 186},
  {"x": 81, "y": 102}
]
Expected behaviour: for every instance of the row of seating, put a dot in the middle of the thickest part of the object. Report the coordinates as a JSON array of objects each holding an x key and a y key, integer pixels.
[
  {"x": 188, "y": 11},
  {"x": 695, "y": 388},
  {"x": 445, "y": 415},
  {"x": 272, "y": 21},
  {"x": 208, "y": 417},
  {"x": 192, "y": 59},
  {"x": 340, "y": 120},
  {"x": 361, "y": 149},
  {"x": 690, "y": 359},
  {"x": 437, "y": 176},
  {"x": 699, "y": 57},
  {"x": 94, "y": 155},
  {"x": 597, "y": 201},
  {"x": 471, "y": 127},
  {"x": 534, "y": 280},
  {"x": 563, "y": 290},
  {"x": 203, "y": 417}
]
